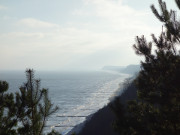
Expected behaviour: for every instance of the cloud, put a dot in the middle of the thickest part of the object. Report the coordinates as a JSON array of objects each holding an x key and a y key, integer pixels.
[
  {"x": 117, "y": 21},
  {"x": 35, "y": 23},
  {"x": 80, "y": 13},
  {"x": 121, "y": 17},
  {"x": 3, "y": 7},
  {"x": 70, "y": 40},
  {"x": 62, "y": 48},
  {"x": 100, "y": 28}
]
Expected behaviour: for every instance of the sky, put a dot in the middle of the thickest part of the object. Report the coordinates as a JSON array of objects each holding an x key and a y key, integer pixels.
[{"x": 73, "y": 34}]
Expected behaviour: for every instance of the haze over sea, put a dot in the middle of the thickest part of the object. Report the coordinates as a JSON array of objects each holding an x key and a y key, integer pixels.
[{"x": 78, "y": 94}]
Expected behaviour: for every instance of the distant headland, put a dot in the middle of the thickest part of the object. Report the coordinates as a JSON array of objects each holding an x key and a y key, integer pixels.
[{"x": 130, "y": 69}]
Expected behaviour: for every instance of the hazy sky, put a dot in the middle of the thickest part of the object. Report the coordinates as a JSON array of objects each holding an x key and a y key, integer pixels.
[{"x": 73, "y": 34}]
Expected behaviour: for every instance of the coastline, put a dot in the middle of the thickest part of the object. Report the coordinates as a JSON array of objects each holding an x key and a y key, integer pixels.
[
  {"x": 97, "y": 116},
  {"x": 80, "y": 126},
  {"x": 101, "y": 121}
]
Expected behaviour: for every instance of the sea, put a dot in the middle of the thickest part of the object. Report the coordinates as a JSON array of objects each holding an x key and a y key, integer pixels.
[{"x": 77, "y": 94}]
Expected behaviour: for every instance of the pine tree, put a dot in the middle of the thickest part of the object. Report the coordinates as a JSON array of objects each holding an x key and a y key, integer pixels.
[
  {"x": 157, "y": 110},
  {"x": 8, "y": 110},
  {"x": 34, "y": 106},
  {"x": 26, "y": 112}
]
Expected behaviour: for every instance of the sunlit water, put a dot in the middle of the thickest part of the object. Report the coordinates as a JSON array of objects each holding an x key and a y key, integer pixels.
[{"x": 78, "y": 94}]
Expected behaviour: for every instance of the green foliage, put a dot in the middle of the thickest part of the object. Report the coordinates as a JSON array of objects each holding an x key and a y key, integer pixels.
[
  {"x": 35, "y": 106},
  {"x": 8, "y": 118},
  {"x": 26, "y": 114},
  {"x": 157, "y": 109},
  {"x": 169, "y": 18}
]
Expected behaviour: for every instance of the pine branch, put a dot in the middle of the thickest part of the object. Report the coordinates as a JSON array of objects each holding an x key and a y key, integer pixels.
[{"x": 178, "y": 3}]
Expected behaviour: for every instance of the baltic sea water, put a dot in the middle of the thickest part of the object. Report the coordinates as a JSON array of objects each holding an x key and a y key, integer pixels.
[{"x": 78, "y": 94}]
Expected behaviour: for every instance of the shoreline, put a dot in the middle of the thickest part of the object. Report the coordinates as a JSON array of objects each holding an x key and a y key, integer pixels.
[
  {"x": 101, "y": 122},
  {"x": 96, "y": 115},
  {"x": 80, "y": 126},
  {"x": 105, "y": 109},
  {"x": 101, "y": 119}
]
